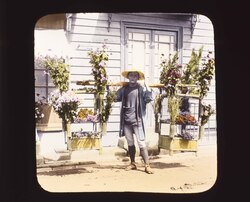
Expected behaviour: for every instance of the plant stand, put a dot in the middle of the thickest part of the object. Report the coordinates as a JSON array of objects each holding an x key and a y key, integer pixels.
[
  {"x": 169, "y": 138},
  {"x": 93, "y": 130}
]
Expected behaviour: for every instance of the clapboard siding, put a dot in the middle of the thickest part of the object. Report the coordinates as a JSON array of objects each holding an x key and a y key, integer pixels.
[
  {"x": 85, "y": 62},
  {"x": 95, "y": 38},
  {"x": 96, "y": 30},
  {"x": 94, "y": 22},
  {"x": 85, "y": 70},
  {"x": 199, "y": 32},
  {"x": 113, "y": 55},
  {"x": 86, "y": 46}
]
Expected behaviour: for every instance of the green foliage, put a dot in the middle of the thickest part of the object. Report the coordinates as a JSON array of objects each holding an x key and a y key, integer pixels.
[
  {"x": 170, "y": 74},
  {"x": 194, "y": 73},
  {"x": 107, "y": 109},
  {"x": 173, "y": 108},
  {"x": 98, "y": 59},
  {"x": 58, "y": 70},
  {"x": 191, "y": 71},
  {"x": 199, "y": 74},
  {"x": 64, "y": 101},
  {"x": 205, "y": 75}
]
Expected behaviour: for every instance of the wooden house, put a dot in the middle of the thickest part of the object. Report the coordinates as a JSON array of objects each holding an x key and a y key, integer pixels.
[{"x": 133, "y": 39}]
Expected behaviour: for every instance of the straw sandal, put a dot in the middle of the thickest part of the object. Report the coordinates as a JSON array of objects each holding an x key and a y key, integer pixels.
[
  {"x": 132, "y": 166},
  {"x": 148, "y": 169}
]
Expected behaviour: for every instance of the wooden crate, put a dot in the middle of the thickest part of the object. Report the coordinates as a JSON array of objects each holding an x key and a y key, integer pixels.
[
  {"x": 177, "y": 144},
  {"x": 85, "y": 143}
]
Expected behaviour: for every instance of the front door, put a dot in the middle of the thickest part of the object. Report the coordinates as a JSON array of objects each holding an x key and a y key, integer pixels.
[{"x": 143, "y": 50}]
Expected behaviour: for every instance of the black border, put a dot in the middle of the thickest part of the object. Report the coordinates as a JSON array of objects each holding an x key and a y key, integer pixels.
[{"x": 17, "y": 151}]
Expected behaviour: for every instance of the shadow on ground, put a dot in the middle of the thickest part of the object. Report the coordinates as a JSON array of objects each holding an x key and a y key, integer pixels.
[{"x": 71, "y": 171}]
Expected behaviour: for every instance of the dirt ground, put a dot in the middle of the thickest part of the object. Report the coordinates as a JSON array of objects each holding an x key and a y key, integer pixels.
[{"x": 183, "y": 172}]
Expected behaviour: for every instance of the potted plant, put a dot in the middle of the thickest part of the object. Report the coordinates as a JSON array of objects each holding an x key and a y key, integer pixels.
[
  {"x": 65, "y": 104},
  {"x": 170, "y": 76},
  {"x": 200, "y": 71},
  {"x": 57, "y": 69}
]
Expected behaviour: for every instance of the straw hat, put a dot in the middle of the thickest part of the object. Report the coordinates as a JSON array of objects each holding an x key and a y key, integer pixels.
[{"x": 126, "y": 72}]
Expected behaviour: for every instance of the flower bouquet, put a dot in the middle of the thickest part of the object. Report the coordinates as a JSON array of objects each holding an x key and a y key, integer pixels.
[
  {"x": 65, "y": 104},
  {"x": 170, "y": 74}
]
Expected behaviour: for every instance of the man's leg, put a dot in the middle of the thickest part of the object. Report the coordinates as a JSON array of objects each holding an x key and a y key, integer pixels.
[
  {"x": 143, "y": 151},
  {"x": 128, "y": 130}
]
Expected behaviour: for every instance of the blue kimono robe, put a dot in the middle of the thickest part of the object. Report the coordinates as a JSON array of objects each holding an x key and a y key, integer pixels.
[{"x": 145, "y": 96}]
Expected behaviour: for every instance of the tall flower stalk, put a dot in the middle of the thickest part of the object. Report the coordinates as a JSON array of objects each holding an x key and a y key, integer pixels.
[
  {"x": 98, "y": 60},
  {"x": 170, "y": 74}
]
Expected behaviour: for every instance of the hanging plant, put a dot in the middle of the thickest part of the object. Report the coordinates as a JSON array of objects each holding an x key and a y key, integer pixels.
[{"x": 58, "y": 71}]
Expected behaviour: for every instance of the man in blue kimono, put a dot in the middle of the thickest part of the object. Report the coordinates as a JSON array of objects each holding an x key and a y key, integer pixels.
[{"x": 133, "y": 98}]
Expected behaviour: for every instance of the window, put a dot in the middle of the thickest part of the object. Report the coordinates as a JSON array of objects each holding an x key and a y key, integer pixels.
[
  {"x": 43, "y": 83},
  {"x": 144, "y": 47}
]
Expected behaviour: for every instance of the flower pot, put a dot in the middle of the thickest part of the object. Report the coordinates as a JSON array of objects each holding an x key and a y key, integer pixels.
[{"x": 51, "y": 121}]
